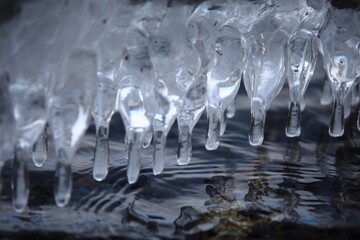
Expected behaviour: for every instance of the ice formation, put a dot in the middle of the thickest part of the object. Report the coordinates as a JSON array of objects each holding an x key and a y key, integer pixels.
[{"x": 157, "y": 62}]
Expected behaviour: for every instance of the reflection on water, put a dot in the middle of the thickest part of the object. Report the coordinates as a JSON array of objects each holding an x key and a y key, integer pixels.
[{"x": 305, "y": 185}]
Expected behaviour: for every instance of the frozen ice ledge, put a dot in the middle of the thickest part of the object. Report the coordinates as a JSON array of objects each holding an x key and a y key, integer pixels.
[{"x": 155, "y": 62}]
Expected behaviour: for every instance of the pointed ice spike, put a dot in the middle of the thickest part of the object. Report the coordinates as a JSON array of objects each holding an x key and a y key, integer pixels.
[
  {"x": 63, "y": 183},
  {"x": 133, "y": 113},
  {"x": 63, "y": 179},
  {"x": 101, "y": 158},
  {"x": 293, "y": 128},
  {"x": 20, "y": 180},
  {"x": 135, "y": 138},
  {"x": 258, "y": 114},
  {"x": 213, "y": 128},
  {"x": 159, "y": 151},
  {"x": 347, "y": 106},
  {"x": 326, "y": 95},
  {"x": 336, "y": 128},
  {"x": 184, "y": 149},
  {"x": 40, "y": 149},
  {"x": 223, "y": 123},
  {"x": 147, "y": 138}
]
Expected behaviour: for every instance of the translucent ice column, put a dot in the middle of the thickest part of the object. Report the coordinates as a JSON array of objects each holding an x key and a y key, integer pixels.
[
  {"x": 203, "y": 28},
  {"x": 190, "y": 80},
  {"x": 30, "y": 119},
  {"x": 301, "y": 59},
  {"x": 7, "y": 127},
  {"x": 182, "y": 87},
  {"x": 339, "y": 45},
  {"x": 135, "y": 101},
  {"x": 134, "y": 77},
  {"x": 69, "y": 108},
  {"x": 223, "y": 80},
  {"x": 265, "y": 67},
  {"x": 25, "y": 51},
  {"x": 103, "y": 109},
  {"x": 132, "y": 109},
  {"x": 112, "y": 19}
]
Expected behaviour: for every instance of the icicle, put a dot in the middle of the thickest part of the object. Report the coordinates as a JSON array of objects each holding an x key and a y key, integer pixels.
[
  {"x": 258, "y": 114},
  {"x": 194, "y": 105},
  {"x": 159, "y": 148},
  {"x": 326, "y": 95},
  {"x": 301, "y": 57},
  {"x": 147, "y": 138},
  {"x": 336, "y": 128},
  {"x": 213, "y": 128},
  {"x": 63, "y": 179},
  {"x": 133, "y": 153},
  {"x": 223, "y": 81},
  {"x": 184, "y": 149},
  {"x": 168, "y": 108},
  {"x": 131, "y": 105},
  {"x": 20, "y": 179},
  {"x": 293, "y": 128},
  {"x": 69, "y": 110},
  {"x": 101, "y": 158},
  {"x": 7, "y": 123},
  {"x": 40, "y": 149},
  {"x": 103, "y": 109}
]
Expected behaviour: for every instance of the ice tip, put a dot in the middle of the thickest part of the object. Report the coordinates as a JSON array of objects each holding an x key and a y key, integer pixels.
[
  {"x": 255, "y": 142},
  {"x": 293, "y": 133},
  {"x": 132, "y": 179},
  {"x": 158, "y": 170},
  {"x": 99, "y": 177},
  {"x": 336, "y": 132},
  {"x": 19, "y": 208},
  {"x": 61, "y": 202},
  {"x": 38, "y": 164},
  {"x": 182, "y": 162},
  {"x": 211, "y": 146}
]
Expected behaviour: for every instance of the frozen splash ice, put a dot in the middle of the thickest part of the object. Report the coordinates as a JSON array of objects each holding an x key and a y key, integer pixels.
[{"x": 155, "y": 62}]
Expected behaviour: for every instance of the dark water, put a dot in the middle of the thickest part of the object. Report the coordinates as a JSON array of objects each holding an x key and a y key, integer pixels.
[{"x": 287, "y": 188}]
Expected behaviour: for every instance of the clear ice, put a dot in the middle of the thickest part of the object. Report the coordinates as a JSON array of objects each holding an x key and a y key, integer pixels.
[
  {"x": 157, "y": 62},
  {"x": 339, "y": 45}
]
